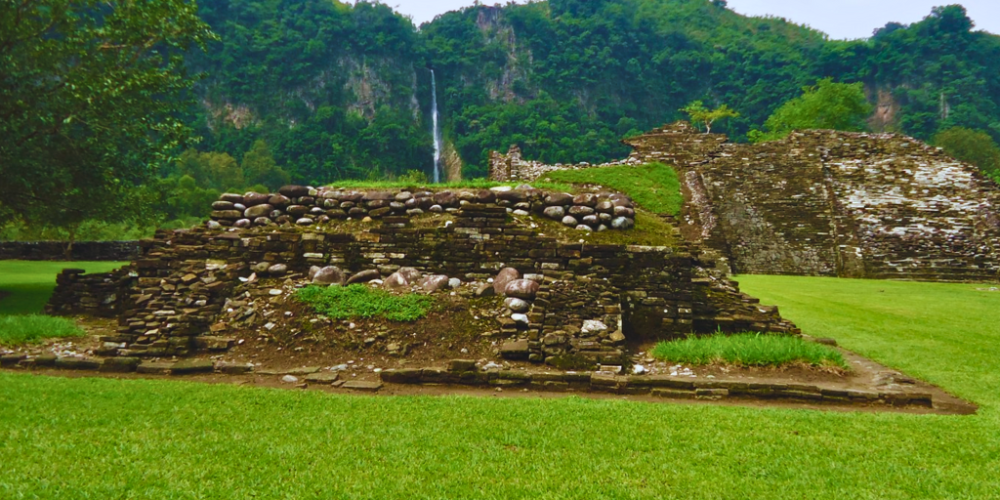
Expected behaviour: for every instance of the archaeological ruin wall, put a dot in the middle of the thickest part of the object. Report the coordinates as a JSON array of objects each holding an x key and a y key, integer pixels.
[
  {"x": 586, "y": 301},
  {"x": 827, "y": 203}
]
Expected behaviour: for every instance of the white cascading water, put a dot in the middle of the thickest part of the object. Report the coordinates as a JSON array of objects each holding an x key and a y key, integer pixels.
[{"x": 437, "y": 130}]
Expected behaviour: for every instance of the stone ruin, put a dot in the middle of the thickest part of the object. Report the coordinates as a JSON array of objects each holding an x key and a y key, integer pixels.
[
  {"x": 564, "y": 303},
  {"x": 822, "y": 203}
]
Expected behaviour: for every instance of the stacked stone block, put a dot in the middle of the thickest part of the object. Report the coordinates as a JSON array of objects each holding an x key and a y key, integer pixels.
[{"x": 306, "y": 206}]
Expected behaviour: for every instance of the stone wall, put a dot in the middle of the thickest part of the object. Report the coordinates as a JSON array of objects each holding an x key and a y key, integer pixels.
[
  {"x": 832, "y": 203},
  {"x": 98, "y": 294},
  {"x": 176, "y": 291},
  {"x": 81, "y": 251},
  {"x": 306, "y": 206}
]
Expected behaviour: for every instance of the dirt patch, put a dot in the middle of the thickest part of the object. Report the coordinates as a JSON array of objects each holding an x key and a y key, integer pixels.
[
  {"x": 456, "y": 327},
  {"x": 4, "y": 295}
]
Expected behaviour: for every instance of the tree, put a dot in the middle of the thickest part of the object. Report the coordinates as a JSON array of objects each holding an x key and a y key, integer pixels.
[
  {"x": 827, "y": 105},
  {"x": 971, "y": 146},
  {"x": 89, "y": 98},
  {"x": 700, "y": 115},
  {"x": 259, "y": 167}
]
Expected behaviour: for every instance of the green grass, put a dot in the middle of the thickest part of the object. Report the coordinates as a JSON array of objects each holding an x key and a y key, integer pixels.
[
  {"x": 654, "y": 186},
  {"x": 361, "y": 301},
  {"x": 747, "y": 350},
  {"x": 33, "y": 328},
  {"x": 130, "y": 439},
  {"x": 30, "y": 284}
]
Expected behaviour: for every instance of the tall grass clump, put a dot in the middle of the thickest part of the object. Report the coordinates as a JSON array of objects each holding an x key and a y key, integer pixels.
[
  {"x": 33, "y": 328},
  {"x": 360, "y": 301},
  {"x": 750, "y": 349}
]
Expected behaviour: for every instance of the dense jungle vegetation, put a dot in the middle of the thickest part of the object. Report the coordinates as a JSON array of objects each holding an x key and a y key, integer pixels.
[{"x": 313, "y": 91}]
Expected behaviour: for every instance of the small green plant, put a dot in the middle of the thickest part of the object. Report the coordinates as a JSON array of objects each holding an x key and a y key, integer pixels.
[
  {"x": 33, "y": 328},
  {"x": 700, "y": 115},
  {"x": 750, "y": 349},
  {"x": 360, "y": 301}
]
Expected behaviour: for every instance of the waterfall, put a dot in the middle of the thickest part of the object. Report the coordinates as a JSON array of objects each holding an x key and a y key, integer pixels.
[{"x": 437, "y": 130}]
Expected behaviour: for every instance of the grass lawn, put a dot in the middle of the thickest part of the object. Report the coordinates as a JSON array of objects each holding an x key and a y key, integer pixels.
[
  {"x": 21, "y": 329},
  {"x": 30, "y": 284},
  {"x": 750, "y": 349},
  {"x": 103, "y": 438}
]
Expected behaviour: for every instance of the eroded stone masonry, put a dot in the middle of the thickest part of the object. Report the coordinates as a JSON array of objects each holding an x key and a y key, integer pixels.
[
  {"x": 823, "y": 203},
  {"x": 563, "y": 302}
]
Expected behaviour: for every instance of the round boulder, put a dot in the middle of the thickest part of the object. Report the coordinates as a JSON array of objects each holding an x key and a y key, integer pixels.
[
  {"x": 396, "y": 281},
  {"x": 364, "y": 277},
  {"x": 555, "y": 213},
  {"x": 279, "y": 201},
  {"x": 570, "y": 221},
  {"x": 431, "y": 284},
  {"x": 252, "y": 199},
  {"x": 293, "y": 191},
  {"x": 504, "y": 278},
  {"x": 277, "y": 270},
  {"x": 412, "y": 275},
  {"x": 330, "y": 275},
  {"x": 560, "y": 199},
  {"x": 445, "y": 199},
  {"x": 232, "y": 198},
  {"x": 580, "y": 211},
  {"x": 517, "y": 305},
  {"x": 522, "y": 289},
  {"x": 297, "y": 210},
  {"x": 258, "y": 211},
  {"x": 585, "y": 199},
  {"x": 622, "y": 223}
]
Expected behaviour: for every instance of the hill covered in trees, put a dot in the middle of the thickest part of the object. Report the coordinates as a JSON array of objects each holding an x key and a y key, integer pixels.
[{"x": 340, "y": 90}]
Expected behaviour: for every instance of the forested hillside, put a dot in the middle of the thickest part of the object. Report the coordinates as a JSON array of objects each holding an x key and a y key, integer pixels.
[{"x": 340, "y": 90}]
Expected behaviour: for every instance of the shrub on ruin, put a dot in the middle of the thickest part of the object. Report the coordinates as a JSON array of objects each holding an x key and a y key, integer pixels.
[{"x": 971, "y": 146}]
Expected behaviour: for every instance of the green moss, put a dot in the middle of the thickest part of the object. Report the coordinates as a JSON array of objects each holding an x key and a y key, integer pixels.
[
  {"x": 649, "y": 230},
  {"x": 361, "y": 301},
  {"x": 654, "y": 186}
]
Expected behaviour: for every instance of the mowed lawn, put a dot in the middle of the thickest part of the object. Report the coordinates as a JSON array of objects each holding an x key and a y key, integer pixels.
[
  {"x": 30, "y": 284},
  {"x": 102, "y": 438}
]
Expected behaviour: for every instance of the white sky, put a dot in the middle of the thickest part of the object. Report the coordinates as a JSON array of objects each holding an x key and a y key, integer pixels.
[{"x": 841, "y": 19}]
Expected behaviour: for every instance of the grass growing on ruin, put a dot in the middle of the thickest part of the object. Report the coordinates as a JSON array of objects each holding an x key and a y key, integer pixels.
[
  {"x": 751, "y": 349},
  {"x": 150, "y": 439},
  {"x": 27, "y": 285},
  {"x": 32, "y": 328},
  {"x": 649, "y": 230},
  {"x": 362, "y": 301},
  {"x": 655, "y": 186}
]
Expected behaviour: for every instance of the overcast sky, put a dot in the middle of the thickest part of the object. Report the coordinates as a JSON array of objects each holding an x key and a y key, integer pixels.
[{"x": 841, "y": 19}]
